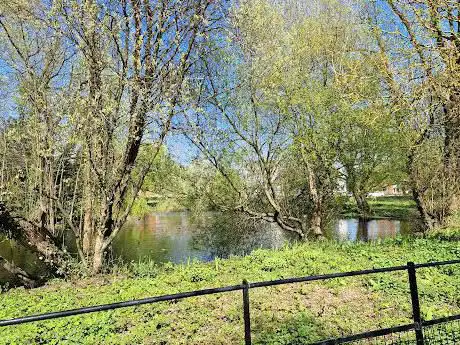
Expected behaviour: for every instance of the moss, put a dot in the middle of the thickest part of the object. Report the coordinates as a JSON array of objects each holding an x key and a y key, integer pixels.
[{"x": 289, "y": 314}]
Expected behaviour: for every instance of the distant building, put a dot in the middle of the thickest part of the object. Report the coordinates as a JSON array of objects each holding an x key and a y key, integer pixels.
[
  {"x": 393, "y": 190},
  {"x": 389, "y": 190},
  {"x": 376, "y": 194}
]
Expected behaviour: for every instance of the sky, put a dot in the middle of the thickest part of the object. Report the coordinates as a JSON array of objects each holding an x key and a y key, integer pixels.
[{"x": 178, "y": 146}]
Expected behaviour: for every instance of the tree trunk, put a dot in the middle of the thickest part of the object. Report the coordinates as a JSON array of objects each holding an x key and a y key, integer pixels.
[
  {"x": 428, "y": 221},
  {"x": 87, "y": 233},
  {"x": 19, "y": 273},
  {"x": 452, "y": 152},
  {"x": 362, "y": 204},
  {"x": 316, "y": 216},
  {"x": 315, "y": 224},
  {"x": 98, "y": 254}
]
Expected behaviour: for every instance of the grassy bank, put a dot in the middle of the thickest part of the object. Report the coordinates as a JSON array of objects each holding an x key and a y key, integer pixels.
[
  {"x": 399, "y": 207},
  {"x": 288, "y": 314}
]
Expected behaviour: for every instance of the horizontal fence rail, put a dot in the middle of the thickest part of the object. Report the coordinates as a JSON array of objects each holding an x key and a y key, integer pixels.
[
  {"x": 386, "y": 331},
  {"x": 416, "y": 326}
]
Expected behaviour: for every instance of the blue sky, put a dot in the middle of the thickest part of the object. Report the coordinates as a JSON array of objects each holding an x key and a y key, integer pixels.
[{"x": 179, "y": 147}]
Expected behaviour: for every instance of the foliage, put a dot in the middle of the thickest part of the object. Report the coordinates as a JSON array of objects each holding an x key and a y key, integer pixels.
[
  {"x": 163, "y": 187},
  {"x": 294, "y": 103},
  {"x": 97, "y": 82},
  {"x": 287, "y": 314},
  {"x": 422, "y": 69}
]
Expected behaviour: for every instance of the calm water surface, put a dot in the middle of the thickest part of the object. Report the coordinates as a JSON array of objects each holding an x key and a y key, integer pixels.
[{"x": 178, "y": 237}]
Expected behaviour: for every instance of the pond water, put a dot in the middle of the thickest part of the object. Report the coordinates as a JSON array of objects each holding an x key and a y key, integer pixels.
[{"x": 178, "y": 237}]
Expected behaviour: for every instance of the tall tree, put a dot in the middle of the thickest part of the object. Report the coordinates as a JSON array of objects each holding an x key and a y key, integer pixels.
[
  {"x": 118, "y": 72},
  {"x": 423, "y": 73},
  {"x": 274, "y": 99}
]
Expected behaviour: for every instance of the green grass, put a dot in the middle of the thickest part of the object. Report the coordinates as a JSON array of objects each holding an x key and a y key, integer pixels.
[
  {"x": 399, "y": 207},
  {"x": 289, "y": 314}
]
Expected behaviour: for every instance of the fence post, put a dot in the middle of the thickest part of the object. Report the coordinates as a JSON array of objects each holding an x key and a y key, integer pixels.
[
  {"x": 415, "y": 303},
  {"x": 246, "y": 315}
]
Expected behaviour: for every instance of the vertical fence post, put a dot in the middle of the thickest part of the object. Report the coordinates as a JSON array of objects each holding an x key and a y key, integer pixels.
[
  {"x": 246, "y": 315},
  {"x": 415, "y": 303}
]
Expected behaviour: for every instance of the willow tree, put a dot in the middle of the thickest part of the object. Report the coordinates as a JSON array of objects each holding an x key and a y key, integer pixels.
[
  {"x": 369, "y": 143},
  {"x": 275, "y": 95},
  {"x": 117, "y": 75},
  {"x": 337, "y": 104}
]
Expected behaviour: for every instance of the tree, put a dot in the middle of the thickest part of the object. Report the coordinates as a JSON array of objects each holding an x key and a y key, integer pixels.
[
  {"x": 273, "y": 100},
  {"x": 422, "y": 75},
  {"x": 99, "y": 78},
  {"x": 164, "y": 186},
  {"x": 32, "y": 148},
  {"x": 370, "y": 146}
]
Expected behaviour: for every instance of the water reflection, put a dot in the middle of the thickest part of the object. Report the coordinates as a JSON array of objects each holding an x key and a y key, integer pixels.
[
  {"x": 177, "y": 237},
  {"x": 361, "y": 230},
  {"x": 21, "y": 257},
  {"x": 222, "y": 235},
  {"x": 161, "y": 237},
  {"x": 371, "y": 230}
]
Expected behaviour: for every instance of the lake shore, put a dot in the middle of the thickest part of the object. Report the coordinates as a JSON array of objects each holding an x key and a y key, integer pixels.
[
  {"x": 180, "y": 236},
  {"x": 280, "y": 315},
  {"x": 382, "y": 207},
  {"x": 396, "y": 207}
]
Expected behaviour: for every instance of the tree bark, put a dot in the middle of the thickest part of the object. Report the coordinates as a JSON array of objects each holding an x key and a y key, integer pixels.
[
  {"x": 315, "y": 224},
  {"x": 316, "y": 216},
  {"x": 452, "y": 150},
  {"x": 88, "y": 228},
  {"x": 98, "y": 254},
  {"x": 428, "y": 221}
]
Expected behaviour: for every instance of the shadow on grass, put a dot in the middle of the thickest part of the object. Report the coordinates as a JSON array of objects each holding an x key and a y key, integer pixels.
[
  {"x": 306, "y": 329},
  {"x": 301, "y": 329}
]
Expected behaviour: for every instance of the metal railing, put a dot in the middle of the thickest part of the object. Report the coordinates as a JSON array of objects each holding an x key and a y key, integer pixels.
[{"x": 417, "y": 326}]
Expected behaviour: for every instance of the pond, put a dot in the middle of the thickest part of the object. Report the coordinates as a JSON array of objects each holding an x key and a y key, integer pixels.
[{"x": 178, "y": 237}]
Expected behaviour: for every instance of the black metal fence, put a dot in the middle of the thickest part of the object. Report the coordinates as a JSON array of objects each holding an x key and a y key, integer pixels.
[{"x": 439, "y": 331}]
